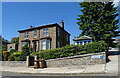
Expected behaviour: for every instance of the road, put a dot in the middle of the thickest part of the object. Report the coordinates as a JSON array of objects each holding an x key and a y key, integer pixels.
[{"x": 19, "y": 75}]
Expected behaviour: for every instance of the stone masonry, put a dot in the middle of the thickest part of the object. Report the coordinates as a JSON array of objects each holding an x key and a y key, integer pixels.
[{"x": 87, "y": 59}]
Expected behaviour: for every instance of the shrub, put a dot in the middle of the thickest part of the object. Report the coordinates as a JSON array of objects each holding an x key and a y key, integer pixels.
[
  {"x": 83, "y": 52},
  {"x": 6, "y": 54},
  {"x": 17, "y": 54},
  {"x": 34, "y": 53},
  {"x": 25, "y": 52},
  {"x": 18, "y": 58},
  {"x": 71, "y": 50},
  {"x": 11, "y": 58},
  {"x": 95, "y": 47},
  {"x": 12, "y": 51}
]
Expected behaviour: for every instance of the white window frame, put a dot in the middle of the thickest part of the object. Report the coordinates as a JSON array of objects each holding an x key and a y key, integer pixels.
[
  {"x": 35, "y": 33},
  {"x": 46, "y": 45},
  {"x": 26, "y": 35},
  {"x": 46, "y": 32}
]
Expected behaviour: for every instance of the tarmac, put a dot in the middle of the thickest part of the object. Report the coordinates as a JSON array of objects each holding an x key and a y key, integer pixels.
[{"x": 109, "y": 68}]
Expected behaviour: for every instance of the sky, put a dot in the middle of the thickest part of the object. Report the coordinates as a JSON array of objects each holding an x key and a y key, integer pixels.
[{"x": 20, "y": 15}]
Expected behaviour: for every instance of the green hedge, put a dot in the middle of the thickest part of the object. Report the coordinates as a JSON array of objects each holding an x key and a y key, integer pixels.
[{"x": 71, "y": 50}]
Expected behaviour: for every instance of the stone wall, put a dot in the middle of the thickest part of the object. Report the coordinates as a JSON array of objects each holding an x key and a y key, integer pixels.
[
  {"x": 14, "y": 63},
  {"x": 86, "y": 59}
]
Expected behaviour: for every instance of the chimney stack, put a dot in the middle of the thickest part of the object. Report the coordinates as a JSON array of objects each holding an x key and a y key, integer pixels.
[{"x": 62, "y": 24}]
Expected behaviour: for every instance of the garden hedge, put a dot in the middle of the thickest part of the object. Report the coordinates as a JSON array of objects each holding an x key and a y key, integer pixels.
[{"x": 71, "y": 50}]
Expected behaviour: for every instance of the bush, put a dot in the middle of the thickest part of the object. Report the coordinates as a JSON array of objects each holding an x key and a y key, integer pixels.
[
  {"x": 95, "y": 47},
  {"x": 6, "y": 54},
  {"x": 11, "y": 58},
  {"x": 17, "y": 54},
  {"x": 12, "y": 51},
  {"x": 18, "y": 58},
  {"x": 71, "y": 50},
  {"x": 25, "y": 52}
]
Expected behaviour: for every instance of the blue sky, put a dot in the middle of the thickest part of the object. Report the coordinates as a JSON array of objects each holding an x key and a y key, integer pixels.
[{"x": 20, "y": 15}]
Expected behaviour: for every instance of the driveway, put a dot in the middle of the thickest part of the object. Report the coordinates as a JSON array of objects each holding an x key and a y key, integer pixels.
[{"x": 112, "y": 65}]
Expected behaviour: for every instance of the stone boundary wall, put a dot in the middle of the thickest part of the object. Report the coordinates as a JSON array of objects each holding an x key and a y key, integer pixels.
[
  {"x": 14, "y": 63},
  {"x": 86, "y": 59}
]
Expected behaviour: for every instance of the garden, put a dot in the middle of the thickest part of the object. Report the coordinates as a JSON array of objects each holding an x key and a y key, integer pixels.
[{"x": 66, "y": 51}]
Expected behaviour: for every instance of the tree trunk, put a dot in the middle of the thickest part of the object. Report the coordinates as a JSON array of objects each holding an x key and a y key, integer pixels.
[{"x": 107, "y": 54}]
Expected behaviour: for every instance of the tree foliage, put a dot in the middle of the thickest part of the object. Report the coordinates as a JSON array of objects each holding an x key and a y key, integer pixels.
[
  {"x": 98, "y": 21},
  {"x": 25, "y": 52},
  {"x": 15, "y": 40}
]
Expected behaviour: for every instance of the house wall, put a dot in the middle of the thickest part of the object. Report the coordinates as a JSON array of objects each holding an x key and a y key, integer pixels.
[
  {"x": 76, "y": 42},
  {"x": 62, "y": 38},
  {"x": 11, "y": 46},
  {"x": 52, "y": 34}
]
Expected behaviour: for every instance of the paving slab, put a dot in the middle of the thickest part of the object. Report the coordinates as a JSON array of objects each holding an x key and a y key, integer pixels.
[{"x": 99, "y": 68}]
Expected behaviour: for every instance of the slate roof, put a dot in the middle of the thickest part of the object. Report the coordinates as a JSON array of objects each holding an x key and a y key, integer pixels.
[
  {"x": 43, "y": 26},
  {"x": 83, "y": 38}
]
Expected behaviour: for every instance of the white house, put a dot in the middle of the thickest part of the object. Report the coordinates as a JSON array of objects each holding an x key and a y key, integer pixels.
[{"x": 82, "y": 40}]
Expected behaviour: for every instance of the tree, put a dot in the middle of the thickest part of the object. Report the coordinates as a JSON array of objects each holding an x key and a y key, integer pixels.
[
  {"x": 15, "y": 40},
  {"x": 4, "y": 47},
  {"x": 25, "y": 52},
  {"x": 98, "y": 21}
]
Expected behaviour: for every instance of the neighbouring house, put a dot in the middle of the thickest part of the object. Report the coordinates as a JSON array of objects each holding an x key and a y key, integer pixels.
[
  {"x": 3, "y": 41},
  {"x": 44, "y": 37},
  {"x": 82, "y": 40},
  {"x": 12, "y": 46}
]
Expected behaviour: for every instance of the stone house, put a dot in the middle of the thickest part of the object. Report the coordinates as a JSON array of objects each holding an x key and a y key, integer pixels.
[
  {"x": 12, "y": 46},
  {"x": 44, "y": 37},
  {"x": 82, "y": 40}
]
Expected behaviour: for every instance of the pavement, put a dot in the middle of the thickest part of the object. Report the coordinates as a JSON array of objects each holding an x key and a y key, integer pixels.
[
  {"x": 61, "y": 70},
  {"x": 109, "y": 68}
]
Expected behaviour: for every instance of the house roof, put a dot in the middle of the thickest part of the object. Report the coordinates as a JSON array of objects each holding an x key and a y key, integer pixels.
[
  {"x": 83, "y": 38},
  {"x": 43, "y": 26}
]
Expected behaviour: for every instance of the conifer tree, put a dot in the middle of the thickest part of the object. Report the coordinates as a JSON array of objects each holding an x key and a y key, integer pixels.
[{"x": 98, "y": 21}]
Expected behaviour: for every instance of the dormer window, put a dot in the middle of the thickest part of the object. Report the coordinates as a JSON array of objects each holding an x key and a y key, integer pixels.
[
  {"x": 26, "y": 35},
  {"x": 45, "y": 32},
  {"x": 35, "y": 33}
]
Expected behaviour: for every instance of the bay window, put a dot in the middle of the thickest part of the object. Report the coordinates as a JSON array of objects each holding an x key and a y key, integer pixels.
[{"x": 45, "y": 44}]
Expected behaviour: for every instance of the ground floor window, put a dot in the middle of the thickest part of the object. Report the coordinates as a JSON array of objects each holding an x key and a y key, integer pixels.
[
  {"x": 45, "y": 44},
  {"x": 25, "y": 43}
]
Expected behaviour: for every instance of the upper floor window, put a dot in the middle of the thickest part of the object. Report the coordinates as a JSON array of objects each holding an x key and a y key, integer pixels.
[
  {"x": 26, "y": 35},
  {"x": 45, "y": 32},
  {"x": 35, "y": 33},
  {"x": 58, "y": 32}
]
